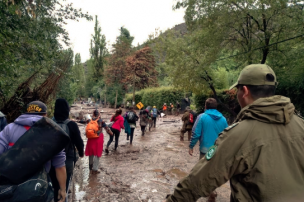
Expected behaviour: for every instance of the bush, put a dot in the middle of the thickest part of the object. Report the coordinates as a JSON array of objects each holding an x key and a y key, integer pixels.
[{"x": 156, "y": 96}]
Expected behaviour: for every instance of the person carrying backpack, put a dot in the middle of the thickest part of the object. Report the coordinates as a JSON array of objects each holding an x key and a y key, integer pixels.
[
  {"x": 36, "y": 111},
  {"x": 116, "y": 128},
  {"x": 154, "y": 114},
  {"x": 95, "y": 137},
  {"x": 131, "y": 118},
  {"x": 61, "y": 117},
  {"x": 144, "y": 121},
  {"x": 189, "y": 120}
]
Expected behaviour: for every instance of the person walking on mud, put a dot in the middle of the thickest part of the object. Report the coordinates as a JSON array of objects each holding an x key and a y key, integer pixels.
[
  {"x": 187, "y": 125},
  {"x": 261, "y": 154},
  {"x": 61, "y": 117},
  {"x": 116, "y": 128},
  {"x": 94, "y": 145},
  {"x": 36, "y": 110},
  {"x": 154, "y": 114},
  {"x": 165, "y": 109},
  {"x": 144, "y": 121},
  {"x": 131, "y": 118}
]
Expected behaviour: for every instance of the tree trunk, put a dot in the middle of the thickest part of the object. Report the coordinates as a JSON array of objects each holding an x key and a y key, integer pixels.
[
  {"x": 133, "y": 102},
  {"x": 116, "y": 100},
  {"x": 105, "y": 98}
]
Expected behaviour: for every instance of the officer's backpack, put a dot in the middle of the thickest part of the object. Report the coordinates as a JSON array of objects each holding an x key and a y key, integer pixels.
[{"x": 192, "y": 117}]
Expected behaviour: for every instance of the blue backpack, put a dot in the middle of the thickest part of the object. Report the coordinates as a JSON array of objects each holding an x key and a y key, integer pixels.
[{"x": 154, "y": 112}]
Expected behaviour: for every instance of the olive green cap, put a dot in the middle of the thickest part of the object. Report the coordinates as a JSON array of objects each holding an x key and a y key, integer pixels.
[{"x": 255, "y": 75}]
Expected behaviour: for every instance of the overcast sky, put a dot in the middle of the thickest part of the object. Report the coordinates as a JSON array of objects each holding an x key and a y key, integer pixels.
[{"x": 140, "y": 17}]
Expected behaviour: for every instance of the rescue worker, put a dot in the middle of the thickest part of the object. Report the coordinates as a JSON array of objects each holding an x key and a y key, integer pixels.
[
  {"x": 165, "y": 108},
  {"x": 261, "y": 153},
  {"x": 187, "y": 126}
]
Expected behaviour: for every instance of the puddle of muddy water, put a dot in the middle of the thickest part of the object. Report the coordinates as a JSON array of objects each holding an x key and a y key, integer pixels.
[{"x": 177, "y": 173}]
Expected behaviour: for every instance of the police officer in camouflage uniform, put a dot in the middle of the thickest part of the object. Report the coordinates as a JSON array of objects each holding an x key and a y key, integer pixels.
[{"x": 262, "y": 153}]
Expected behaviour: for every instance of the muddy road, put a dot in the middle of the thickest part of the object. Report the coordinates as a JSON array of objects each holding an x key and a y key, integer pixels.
[{"x": 146, "y": 171}]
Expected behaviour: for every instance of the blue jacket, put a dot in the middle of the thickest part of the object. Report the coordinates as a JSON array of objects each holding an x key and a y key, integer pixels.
[
  {"x": 207, "y": 128},
  {"x": 127, "y": 127}
]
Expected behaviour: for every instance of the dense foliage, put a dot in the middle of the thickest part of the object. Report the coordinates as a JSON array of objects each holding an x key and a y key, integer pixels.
[
  {"x": 31, "y": 33},
  {"x": 157, "y": 96}
]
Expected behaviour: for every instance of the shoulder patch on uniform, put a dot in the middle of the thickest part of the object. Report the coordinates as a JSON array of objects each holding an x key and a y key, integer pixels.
[
  {"x": 211, "y": 152},
  {"x": 232, "y": 126}
]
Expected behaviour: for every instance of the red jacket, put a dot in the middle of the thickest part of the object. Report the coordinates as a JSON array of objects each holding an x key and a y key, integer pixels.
[{"x": 118, "y": 123}]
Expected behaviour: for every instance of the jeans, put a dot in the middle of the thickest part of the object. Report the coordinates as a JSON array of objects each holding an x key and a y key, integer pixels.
[
  {"x": 131, "y": 135},
  {"x": 154, "y": 121},
  {"x": 94, "y": 160},
  {"x": 116, "y": 133}
]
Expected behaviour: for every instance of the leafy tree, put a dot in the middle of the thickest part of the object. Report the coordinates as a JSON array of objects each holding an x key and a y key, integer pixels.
[
  {"x": 250, "y": 30},
  {"x": 140, "y": 70},
  {"x": 30, "y": 34},
  {"x": 79, "y": 75},
  {"x": 98, "y": 50},
  {"x": 116, "y": 71}
]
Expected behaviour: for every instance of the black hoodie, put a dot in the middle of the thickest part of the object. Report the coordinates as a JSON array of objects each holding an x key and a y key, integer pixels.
[{"x": 61, "y": 113}]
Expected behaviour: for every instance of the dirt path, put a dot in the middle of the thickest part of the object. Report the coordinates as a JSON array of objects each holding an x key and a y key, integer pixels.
[{"x": 145, "y": 172}]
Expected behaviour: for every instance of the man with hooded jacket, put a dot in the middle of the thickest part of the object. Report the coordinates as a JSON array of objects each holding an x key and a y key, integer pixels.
[
  {"x": 61, "y": 116},
  {"x": 12, "y": 132},
  {"x": 208, "y": 126},
  {"x": 261, "y": 153}
]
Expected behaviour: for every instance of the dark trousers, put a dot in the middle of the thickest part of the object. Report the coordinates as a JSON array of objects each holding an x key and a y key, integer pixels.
[
  {"x": 116, "y": 133},
  {"x": 131, "y": 135},
  {"x": 69, "y": 163},
  {"x": 154, "y": 121}
]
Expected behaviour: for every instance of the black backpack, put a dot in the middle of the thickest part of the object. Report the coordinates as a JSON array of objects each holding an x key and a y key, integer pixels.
[
  {"x": 70, "y": 148},
  {"x": 35, "y": 189},
  {"x": 131, "y": 117}
]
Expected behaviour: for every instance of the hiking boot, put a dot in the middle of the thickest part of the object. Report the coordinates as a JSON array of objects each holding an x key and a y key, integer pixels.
[
  {"x": 107, "y": 151},
  {"x": 212, "y": 197}
]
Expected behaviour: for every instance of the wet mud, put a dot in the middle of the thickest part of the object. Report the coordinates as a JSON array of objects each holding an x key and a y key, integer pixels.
[{"x": 146, "y": 171}]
